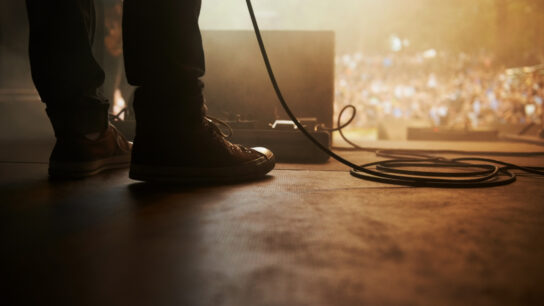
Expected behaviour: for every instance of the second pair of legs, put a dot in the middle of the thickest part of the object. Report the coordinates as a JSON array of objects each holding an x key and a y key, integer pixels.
[{"x": 175, "y": 141}]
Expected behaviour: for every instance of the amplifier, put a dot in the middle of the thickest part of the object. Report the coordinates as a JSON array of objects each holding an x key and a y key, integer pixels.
[{"x": 238, "y": 87}]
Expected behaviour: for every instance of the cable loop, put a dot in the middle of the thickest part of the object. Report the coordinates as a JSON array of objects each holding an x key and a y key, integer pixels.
[{"x": 390, "y": 171}]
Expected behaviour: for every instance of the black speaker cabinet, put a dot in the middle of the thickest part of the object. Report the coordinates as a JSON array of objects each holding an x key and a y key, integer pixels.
[{"x": 237, "y": 84}]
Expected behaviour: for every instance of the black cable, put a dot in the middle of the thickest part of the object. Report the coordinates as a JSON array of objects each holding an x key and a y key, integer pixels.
[
  {"x": 339, "y": 125},
  {"x": 390, "y": 171}
]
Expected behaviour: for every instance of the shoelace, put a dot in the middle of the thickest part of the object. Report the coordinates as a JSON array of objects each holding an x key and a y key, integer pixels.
[{"x": 217, "y": 123}]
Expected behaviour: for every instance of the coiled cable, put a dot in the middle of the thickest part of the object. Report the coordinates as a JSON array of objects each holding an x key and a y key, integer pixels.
[{"x": 466, "y": 174}]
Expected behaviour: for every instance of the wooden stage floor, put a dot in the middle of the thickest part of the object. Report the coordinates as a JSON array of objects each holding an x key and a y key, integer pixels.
[{"x": 305, "y": 235}]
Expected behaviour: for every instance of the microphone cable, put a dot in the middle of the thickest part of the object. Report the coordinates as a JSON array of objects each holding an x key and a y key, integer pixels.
[{"x": 399, "y": 170}]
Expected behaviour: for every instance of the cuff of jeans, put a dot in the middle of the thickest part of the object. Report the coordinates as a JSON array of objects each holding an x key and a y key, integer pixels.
[{"x": 79, "y": 119}]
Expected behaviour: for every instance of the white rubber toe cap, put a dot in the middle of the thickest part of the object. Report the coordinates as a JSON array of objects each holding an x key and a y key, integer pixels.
[{"x": 264, "y": 151}]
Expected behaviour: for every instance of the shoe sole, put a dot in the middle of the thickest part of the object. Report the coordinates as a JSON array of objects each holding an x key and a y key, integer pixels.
[
  {"x": 86, "y": 169},
  {"x": 251, "y": 170}
]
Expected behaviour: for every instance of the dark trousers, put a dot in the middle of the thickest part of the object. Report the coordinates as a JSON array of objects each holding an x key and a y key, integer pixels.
[{"x": 162, "y": 49}]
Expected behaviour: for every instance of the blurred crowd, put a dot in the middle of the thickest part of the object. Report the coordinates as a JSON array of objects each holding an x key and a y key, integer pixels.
[{"x": 438, "y": 89}]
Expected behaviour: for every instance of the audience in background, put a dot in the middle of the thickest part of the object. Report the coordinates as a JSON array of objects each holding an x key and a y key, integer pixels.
[{"x": 438, "y": 89}]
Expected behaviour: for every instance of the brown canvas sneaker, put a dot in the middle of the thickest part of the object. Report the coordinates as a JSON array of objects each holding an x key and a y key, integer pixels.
[
  {"x": 78, "y": 156},
  {"x": 200, "y": 154}
]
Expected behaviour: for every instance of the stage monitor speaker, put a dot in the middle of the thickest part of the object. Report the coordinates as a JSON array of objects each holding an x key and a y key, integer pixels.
[{"x": 238, "y": 87}]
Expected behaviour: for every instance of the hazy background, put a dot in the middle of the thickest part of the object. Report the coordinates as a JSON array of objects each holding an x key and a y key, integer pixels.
[
  {"x": 514, "y": 29},
  {"x": 407, "y": 62},
  {"x": 511, "y": 29}
]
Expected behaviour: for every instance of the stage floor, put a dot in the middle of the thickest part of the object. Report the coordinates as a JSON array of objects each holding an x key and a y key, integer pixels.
[{"x": 305, "y": 235}]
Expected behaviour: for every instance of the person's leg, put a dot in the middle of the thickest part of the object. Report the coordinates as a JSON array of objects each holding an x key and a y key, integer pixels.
[
  {"x": 164, "y": 57},
  {"x": 67, "y": 78},
  {"x": 174, "y": 141},
  {"x": 64, "y": 70},
  {"x": 162, "y": 43}
]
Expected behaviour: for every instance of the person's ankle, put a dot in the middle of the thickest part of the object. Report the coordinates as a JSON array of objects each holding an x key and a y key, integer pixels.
[
  {"x": 160, "y": 112},
  {"x": 78, "y": 119},
  {"x": 93, "y": 136}
]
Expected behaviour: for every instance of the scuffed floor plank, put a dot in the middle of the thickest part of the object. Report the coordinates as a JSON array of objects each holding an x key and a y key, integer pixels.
[{"x": 298, "y": 237}]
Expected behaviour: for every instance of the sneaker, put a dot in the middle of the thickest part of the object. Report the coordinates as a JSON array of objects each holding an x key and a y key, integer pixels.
[
  {"x": 200, "y": 154},
  {"x": 78, "y": 156}
]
